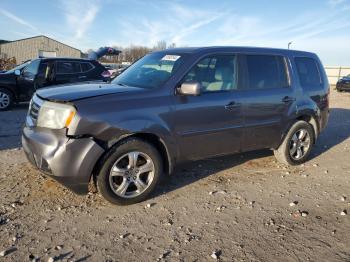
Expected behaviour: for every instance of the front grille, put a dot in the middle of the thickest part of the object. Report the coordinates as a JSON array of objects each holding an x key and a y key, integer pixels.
[
  {"x": 34, "y": 111},
  {"x": 34, "y": 108}
]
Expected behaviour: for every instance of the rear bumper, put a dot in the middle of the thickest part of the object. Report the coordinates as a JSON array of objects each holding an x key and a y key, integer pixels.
[{"x": 67, "y": 160}]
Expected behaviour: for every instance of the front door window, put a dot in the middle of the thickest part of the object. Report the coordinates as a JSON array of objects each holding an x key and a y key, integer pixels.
[{"x": 216, "y": 73}]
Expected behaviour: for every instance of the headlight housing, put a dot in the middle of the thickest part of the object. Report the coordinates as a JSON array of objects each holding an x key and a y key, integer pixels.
[{"x": 55, "y": 115}]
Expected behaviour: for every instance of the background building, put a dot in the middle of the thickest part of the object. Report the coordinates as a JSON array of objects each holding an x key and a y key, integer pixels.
[{"x": 33, "y": 47}]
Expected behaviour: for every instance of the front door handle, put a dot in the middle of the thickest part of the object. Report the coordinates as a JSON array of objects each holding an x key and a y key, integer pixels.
[
  {"x": 288, "y": 99},
  {"x": 231, "y": 105}
]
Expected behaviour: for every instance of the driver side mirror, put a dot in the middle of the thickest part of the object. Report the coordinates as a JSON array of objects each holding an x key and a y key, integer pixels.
[
  {"x": 17, "y": 72},
  {"x": 189, "y": 89}
]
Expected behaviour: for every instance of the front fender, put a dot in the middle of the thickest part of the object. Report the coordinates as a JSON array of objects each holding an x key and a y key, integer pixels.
[
  {"x": 137, "y": 126},
  {"x": 110, "y": 133}
]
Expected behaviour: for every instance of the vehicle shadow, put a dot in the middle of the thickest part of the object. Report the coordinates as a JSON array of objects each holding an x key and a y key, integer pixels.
[
  {"x": 191, "y": 172},
  {"x": 337, "y": 130}
]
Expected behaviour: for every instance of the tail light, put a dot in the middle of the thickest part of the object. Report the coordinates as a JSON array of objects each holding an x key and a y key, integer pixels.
[
  {"x": 106, "y": 74},
  {"x": 325, "y": 100}
]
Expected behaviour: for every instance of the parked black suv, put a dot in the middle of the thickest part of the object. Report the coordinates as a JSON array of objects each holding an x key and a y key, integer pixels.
[
  {"x": 177, "y": 105},
  {"x": 343, "y": 84},
  {"x": 19, "y": 85}
]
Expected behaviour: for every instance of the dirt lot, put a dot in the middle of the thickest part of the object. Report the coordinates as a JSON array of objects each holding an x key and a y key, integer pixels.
[{"x": 239, "y": 206}]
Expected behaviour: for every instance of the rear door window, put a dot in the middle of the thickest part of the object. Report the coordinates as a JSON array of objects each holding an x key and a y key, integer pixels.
[
  {"x": 68, "y": 67},
  {"x": 266, "y": 72},
  {"x": 308, "y": 72}
]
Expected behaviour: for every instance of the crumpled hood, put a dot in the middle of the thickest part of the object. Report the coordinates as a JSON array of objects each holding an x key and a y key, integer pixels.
[{"x": 67, "y": 93}]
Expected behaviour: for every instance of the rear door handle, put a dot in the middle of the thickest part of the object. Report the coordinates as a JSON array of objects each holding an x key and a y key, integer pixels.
[
  {"x": 232, "y": 105},
  {"x": 81, "y": 77},
  {"x": 288, "y": 99}
]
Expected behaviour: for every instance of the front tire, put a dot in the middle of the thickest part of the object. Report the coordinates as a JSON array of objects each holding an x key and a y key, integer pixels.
[
  {"x": 297, "y": 144},
  {"x": 130, "y": 172},
  {"x": 6, "y": 99}
]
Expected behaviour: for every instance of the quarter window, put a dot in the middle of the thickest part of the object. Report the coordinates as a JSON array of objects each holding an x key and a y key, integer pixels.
[
  {"x": 309, "y": 75},
  {"x": 68, "y": 67},
  {"x": 266, "y": 71},
  {"x": 215, "y": 73}
]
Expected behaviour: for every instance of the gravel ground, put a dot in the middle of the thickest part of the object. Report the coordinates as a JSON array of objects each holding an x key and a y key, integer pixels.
[{"x": 237, "y": 208}]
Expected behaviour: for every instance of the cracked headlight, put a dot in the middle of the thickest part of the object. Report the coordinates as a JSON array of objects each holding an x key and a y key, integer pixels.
[{"x": 55, "y": 115}]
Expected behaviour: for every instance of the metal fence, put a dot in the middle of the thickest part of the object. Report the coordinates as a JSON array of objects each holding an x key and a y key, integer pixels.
[{"x": 336, "y": 72}]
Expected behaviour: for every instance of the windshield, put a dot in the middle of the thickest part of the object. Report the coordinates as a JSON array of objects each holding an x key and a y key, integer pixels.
[
  {"x": 151, "y": 71},
  {"x": 19, "y": 67}
]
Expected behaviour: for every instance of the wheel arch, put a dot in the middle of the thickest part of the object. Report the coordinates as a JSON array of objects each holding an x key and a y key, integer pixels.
[
  {"x": 312, "y": 121},
  {"x": 307, "y": 116},
  {"x": 13, "y": 93},
  {"x": 159, "y": 144},
  {"x": 153, "y": 139}
]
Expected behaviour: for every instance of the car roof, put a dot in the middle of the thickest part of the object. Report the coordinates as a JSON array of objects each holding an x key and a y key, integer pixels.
[
  {"x": 243, "y": 49},
  {"x": 65, "y": 59}
]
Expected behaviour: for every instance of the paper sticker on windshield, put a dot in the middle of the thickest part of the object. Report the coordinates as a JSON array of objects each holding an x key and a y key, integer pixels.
[{"x": 170, "y": 57}]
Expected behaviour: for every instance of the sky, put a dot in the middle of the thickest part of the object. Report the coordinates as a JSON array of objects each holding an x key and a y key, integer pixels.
[{"x": 320, "y": 26}]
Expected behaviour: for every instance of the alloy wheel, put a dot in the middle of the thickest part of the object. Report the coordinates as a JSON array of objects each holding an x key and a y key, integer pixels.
[
  {"x": 4, "y": 100},
  {"x": 131, "y": 174},
  {"x": 299, "y": 144}
]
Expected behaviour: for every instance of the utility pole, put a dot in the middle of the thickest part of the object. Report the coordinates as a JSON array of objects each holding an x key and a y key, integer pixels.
[{"x": 289, "y": 44}]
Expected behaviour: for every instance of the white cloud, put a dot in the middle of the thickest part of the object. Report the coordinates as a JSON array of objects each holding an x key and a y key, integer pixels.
[
  {"x": 236, "y": 29},
  {"x": 336, "y": 2},
  {"x": 173, "y": 23},
  {"x": 18, "y": 19},
  {"x": 185, "y": 31},
  {"x": 80, "y": 15},
  {"x": 220, "y": 23},
  {"x": 257, "y": 31},
  {"x": 180, "y": 24}
]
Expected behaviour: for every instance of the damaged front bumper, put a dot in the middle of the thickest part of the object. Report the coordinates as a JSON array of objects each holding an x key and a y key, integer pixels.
[{"x": 70, "y": 161}]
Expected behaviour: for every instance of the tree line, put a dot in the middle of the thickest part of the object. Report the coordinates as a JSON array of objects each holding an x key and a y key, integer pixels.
[{"x": 134, "y": 52}]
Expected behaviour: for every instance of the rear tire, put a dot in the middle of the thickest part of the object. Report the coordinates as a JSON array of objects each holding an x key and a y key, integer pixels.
[
  {"x": 130, "y": 172},
  {"x": 297, "y": 144},
  {"x": 6, "y": 99}
]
